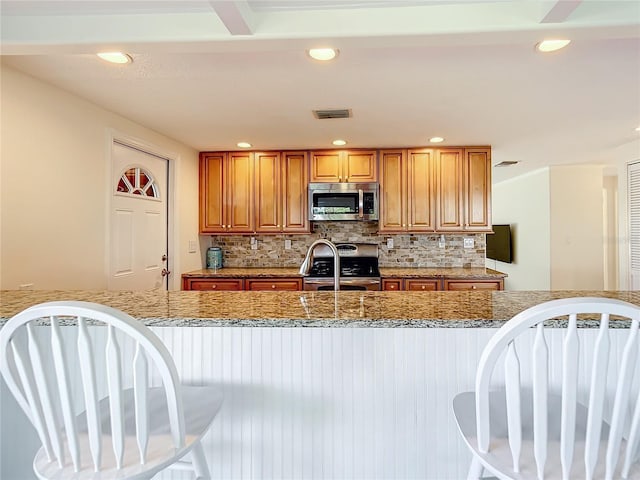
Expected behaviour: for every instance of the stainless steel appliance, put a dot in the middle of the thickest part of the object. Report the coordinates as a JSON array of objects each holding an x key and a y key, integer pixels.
[
  {"x": 343, "y": 201},
  {"x": 358, "y": 267}
]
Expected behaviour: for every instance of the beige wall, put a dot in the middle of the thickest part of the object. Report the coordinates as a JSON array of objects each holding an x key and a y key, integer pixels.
[
  {"x": 523, "y": 202},
  {"x": 54, "y": 156},
  {"x": 577, "y": 233}
]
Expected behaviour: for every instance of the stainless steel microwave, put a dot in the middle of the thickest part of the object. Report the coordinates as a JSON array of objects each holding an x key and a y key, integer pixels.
[{"x": 343, "y": 201}]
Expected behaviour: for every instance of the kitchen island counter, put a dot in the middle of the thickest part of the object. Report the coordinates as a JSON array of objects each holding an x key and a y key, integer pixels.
[{"x": 468, "y": 309}]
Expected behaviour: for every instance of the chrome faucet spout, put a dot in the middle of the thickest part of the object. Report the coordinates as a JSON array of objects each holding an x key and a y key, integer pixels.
[{"x": 308, "y": 260}]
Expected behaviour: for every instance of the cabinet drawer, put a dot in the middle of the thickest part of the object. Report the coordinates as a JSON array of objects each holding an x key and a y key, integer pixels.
[
  {"x": 265, "y": 284},
  {"x": 458, "y": 285},
  {"x": 422, "y": 285},
  {"x": 217, "y": 284},
  {"x": 392, "y": 284}
]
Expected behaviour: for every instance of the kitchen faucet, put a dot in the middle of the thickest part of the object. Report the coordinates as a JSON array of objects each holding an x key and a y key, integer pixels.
[{"x": 307, "y": 262}]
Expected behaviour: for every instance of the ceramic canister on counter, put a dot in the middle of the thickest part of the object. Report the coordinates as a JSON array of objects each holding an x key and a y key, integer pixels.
[{"x": 214, "y": 257}]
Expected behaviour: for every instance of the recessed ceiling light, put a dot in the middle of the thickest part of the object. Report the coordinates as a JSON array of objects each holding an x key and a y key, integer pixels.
[
  {"x": 323, "y": 54},
  {"x": 244, "y": 144},
  {"x": 551, "y": 45},
  {"x": 436, "y": 139},
  {"x": 115, "y": 57},
  {"x": 339, "y": 143}
]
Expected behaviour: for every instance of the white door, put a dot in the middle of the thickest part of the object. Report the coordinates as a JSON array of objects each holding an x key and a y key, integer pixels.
[
  {"x": 633, "y": 186},
  {"x": 138, "y": 225}
]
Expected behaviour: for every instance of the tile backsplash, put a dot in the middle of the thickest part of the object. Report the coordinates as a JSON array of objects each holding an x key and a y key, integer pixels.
[{"x": 409, "y": 250}]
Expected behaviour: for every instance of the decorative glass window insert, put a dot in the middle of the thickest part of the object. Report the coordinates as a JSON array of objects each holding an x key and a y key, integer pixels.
[{"x": 136, "y": 181}]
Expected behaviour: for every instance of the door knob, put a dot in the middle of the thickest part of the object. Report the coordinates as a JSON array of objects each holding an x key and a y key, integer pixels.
[
  {"x": 164, "y": 258},
  {"x": 165, "y": 272}
]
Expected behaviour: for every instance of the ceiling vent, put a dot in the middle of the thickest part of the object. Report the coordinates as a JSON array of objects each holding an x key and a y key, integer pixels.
[
  {"x": 326, "y": 114},
  {"x": 506, "y": 163}
]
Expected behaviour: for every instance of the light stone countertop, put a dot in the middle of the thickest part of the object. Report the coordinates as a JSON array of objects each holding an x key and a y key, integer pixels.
[
  {"x": 235, "y": 272},
  {"x": 469, "y": 309}
]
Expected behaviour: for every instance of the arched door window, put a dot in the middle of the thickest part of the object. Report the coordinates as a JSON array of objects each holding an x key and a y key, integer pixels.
[{"x": 137, "y": 181}]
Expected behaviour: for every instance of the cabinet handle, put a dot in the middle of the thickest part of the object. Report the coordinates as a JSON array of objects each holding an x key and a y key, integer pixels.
[
  {"x": 273, "y": 286},
  {"x": 214, "y": 286},
  {"x": 339, "y": 178},
  {"x": 393, "y": 287},
  {"x": 473, "y": 287},
  {"x": 423, "y": 287}
]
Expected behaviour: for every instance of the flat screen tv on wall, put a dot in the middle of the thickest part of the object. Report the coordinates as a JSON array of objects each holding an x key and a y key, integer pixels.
[{"x": 499, "y": 244}]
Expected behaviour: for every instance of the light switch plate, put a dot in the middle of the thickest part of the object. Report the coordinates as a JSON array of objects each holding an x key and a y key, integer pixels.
[
  {"x": 389, "y": 242},
  {"x": 287, "y": 244},
  {"x": 192, "y": 246},
  {"x": 469, "y": 242}
]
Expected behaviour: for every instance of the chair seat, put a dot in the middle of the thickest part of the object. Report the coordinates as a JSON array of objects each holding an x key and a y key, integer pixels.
[
  {"x": 499, "y": 461},
  {"x": 200, "y": 403}
]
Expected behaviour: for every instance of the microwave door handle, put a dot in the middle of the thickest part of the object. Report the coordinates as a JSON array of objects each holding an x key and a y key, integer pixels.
[{"x": 360, "y": 203}]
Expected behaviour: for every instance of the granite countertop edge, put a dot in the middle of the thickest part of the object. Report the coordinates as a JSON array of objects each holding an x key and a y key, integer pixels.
[
  {"x": 477, "y": 309},
  {"x": 385, "y": 272}
]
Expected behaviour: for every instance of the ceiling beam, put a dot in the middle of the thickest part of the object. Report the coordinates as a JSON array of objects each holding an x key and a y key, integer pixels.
[
  {"x": 235, "y": 16},
  {"x": 557, "y": 11}
]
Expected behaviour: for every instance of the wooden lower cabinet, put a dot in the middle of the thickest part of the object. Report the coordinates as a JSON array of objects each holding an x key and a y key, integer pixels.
[
  {"x": 213, "y": 284},
  {"x": 392, "y": 284},
  {"x": 422, "y": 285},
  {"x": 459, "y": 285},
  {"x": 234, "y": 284},
  {"x": 270, "y": 284},
  {"x": 436, "y": 284}
]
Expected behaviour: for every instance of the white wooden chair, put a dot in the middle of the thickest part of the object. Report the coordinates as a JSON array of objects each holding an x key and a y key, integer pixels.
[
  {"x": 532, "y": 430},
  {"x": 89, "y": 422}
]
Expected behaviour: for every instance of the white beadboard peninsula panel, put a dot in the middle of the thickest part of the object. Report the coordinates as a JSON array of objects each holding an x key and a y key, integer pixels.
[{"x": 333, "y": 403}]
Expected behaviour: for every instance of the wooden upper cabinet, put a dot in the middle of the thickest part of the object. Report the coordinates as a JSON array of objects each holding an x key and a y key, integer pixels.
[
  {"x": 295, "y": 177},
  {"x": 406, "y": 190},
  {"x": 333, "y": 166},
  {"x": 268, "y": 205},
  {"x": 226, "y": 192},
  {"x": 238, "y": 183},
  {"x": 477, "y": 176},
  {"x": 420, "y": 190},
  {"x": 463, "y": 184},
  {"x": 212, "y": 199},
  {"x": 393, "y": 191},
  {"x": 281, "y": 192},
  {"x": 360, "y": 166},
  {"x": 449, "y": 188}
]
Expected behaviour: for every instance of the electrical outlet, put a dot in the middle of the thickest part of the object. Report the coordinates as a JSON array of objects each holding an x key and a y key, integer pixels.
[
  {"x": 469, "y": 242},
  {"x": 253, "y": 241},
  {"x": 254, "y": 246},
  {"x": 389, "y": 243},
  {"x": 441, "y": 242},
  {"x": 192, "y": 246},
  {"x": 287, "y": 244}
]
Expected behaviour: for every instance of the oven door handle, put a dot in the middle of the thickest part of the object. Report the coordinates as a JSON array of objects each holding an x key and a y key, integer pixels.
[{"x": 360, "y": 203}]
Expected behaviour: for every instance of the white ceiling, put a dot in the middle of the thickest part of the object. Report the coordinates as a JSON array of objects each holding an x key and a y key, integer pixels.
[{"x": 212, "y": 73}]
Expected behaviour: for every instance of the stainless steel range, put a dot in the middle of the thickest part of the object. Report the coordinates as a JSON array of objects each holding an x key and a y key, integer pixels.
[{"x": 358, "y": 267}]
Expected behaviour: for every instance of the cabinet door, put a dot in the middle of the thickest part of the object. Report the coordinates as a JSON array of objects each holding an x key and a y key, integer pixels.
[
  {"x": 459, "y": 285},
  {"x": 326, "y": 166},
  {"x": 360, "y": 166},
  {"x": 213, "y": 284},
  {"x": 212, "y": 200},
  {"x": 422, "y": 284},
  {"x": 450, "y": 188},
  {"x": 393, "y": 188},
  {"x": 392, "y": 284},
  {"x": 279, "y": 284},
  {"x": 420, "y": 191},
  {"x": 238, "y": 182},
  {"x": 294, "y": 168},
  {"x": 268, "y": 205},
  {"x": 477, "y": 177}
]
